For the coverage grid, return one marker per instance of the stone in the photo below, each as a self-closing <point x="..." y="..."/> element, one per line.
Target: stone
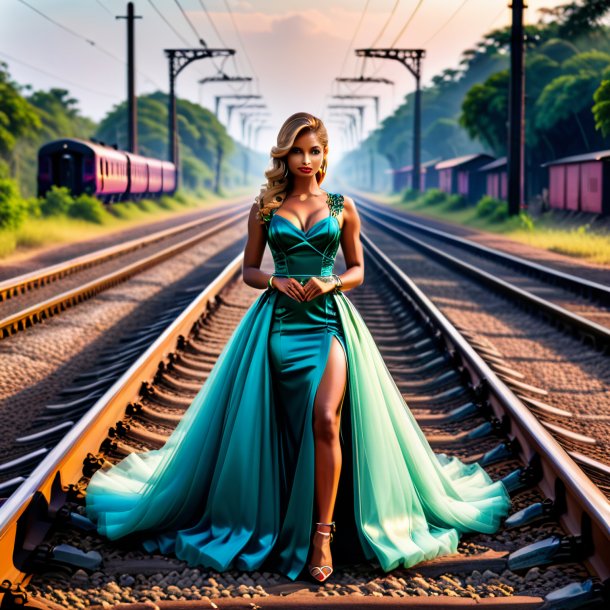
<point x="80" y="576"/>
<point x="126" y="580"/>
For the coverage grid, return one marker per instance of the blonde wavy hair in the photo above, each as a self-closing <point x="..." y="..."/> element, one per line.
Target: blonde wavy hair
<point x="279" y="178"/>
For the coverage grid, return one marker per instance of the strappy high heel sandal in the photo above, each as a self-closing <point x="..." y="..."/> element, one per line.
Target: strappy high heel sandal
<point x="317" y="572"/>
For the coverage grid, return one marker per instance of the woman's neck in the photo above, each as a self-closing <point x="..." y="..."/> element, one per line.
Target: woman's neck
<point x="305" y="186"/>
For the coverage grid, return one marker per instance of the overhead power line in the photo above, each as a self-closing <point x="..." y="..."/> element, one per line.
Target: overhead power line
<point x="240" y="39"/>
<point x="407" y="23"/>
<point x="222" y="41"/>
<point x="385" y="25"/>
<point x="169" y="24"/>
<point x="70" y="31"/>
<point x="205" y="10"/>
<point x="59" y="78"/>
<point x="450" y="18"/>
<point x="351" y="42"/>
<point x="104" y="7"/>
<point x="89" y="41"/>
<point x="192" y="26"/>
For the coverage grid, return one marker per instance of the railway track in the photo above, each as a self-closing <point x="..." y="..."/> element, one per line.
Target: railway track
<point x="584" y="437"/>
<point x="46" y="416"/>
<point x="580" y="305"/>
<point x="452" y="383"/>
<point x="33" y="297"/>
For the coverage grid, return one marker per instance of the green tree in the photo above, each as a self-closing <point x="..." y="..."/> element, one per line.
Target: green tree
<point x="18" y="118"/>
<point x="485" y="109"/>
<point x="601" y="108"/>
<point x="202" y="139"/>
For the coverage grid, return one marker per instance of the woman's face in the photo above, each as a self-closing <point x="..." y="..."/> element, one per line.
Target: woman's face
<point x="306" y="155"/>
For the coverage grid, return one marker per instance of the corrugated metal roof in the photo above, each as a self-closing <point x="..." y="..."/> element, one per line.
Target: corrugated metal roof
<point x="594" y="156"/>
<point x="500" y="162"/>
<point x="457" y="161"/>
<point x="408" y="168"/>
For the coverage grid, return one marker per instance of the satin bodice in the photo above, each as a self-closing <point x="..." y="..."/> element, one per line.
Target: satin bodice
<point x="301" y="254"/>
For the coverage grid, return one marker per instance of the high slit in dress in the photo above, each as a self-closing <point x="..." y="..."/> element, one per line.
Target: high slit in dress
<point x="233" y="486"/>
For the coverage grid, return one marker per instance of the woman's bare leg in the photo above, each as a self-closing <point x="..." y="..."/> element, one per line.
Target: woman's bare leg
<point x="326" y="421"/>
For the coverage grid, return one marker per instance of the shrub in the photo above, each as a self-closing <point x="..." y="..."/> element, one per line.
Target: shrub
<point x="57" y="201"/>
<point x="457" y="202"/>
<point x="165" y="202"/>
<point x="181" y="197"/>
<point x="486" y="206"/>
<point x="146" y="205"/>
<point x="13" y="209"/>
<point x="410" y="195"/>
<point x="494" y="209"/>
<point x="500" y="214"/>
<point x="526" y="221"/>
<point x="200" y="193"/>
<point x="32" y="205"/>
<point x="88" y="208"/>
<point x="434" y="197"/>
<point x="120" y="209"/>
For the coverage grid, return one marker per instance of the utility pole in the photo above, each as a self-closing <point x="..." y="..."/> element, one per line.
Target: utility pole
<point x="132" y="102"/>
<point x="243" y="106"/>
<point x="219" y="98"/>
<point x="178" y="60"/>
<point x="516" y="111"/>
<point x="411" y="59"/>
<point x="358" y="107"/>
<point x="353" y="131"/>
<point x="375" y="99"/>
<point x="221" y="78"/>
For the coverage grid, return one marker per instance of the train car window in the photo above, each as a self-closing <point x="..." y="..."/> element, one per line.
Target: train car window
<point x="106" y="168"/>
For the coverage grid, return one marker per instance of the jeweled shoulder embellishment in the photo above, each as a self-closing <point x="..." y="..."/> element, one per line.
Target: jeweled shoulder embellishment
<point x="335" y="203"/>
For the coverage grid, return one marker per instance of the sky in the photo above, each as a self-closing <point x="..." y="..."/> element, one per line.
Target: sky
<point x="294" y="50"/>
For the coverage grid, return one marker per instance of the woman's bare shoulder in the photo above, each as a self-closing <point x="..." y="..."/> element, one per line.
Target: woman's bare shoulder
<point x="349" y="206"/>
<point x="348" y="202"/>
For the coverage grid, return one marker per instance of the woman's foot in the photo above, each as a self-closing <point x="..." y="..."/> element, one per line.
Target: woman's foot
<point x="320" y="562"/>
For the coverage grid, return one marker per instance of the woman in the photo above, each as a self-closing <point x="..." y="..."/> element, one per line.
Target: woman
<point x="249" y="479"/>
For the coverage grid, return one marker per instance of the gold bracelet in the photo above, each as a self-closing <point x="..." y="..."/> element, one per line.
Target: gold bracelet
<point x="270" y="280"/>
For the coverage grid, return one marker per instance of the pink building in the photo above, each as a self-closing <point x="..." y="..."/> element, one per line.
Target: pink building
<point x="496" y="178"/>
<point x="580" y="183"/>
<point x="459" y="175"/>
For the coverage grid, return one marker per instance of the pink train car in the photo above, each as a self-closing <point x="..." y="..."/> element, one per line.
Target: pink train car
<point x="86" y="166"/>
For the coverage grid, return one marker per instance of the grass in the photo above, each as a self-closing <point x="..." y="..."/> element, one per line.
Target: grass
<point x="550" y="231"/>
<point x="40" y="233"/>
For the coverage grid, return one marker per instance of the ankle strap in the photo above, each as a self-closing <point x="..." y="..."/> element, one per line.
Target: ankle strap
<point x="320" y="523"/>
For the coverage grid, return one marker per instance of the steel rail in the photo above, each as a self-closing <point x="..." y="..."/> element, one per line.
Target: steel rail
<point x="34" y="279"/>
<point x="25" y="318"/>
<point x="598" y="291"/>
<point x="598" y="334"/>
<point x="585" y="500"/>
<point x="64" y="463"/>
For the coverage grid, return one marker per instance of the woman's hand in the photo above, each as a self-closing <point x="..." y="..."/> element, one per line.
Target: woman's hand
<point x="316" y="286"/>
<point x="289" y="286"/>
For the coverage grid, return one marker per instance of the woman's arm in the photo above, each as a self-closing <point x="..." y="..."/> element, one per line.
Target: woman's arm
<point x="253" y="252"/>
<point x="351" y="246"/>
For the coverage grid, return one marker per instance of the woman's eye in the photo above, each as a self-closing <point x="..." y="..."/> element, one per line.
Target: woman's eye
<point x="315" y="151"/>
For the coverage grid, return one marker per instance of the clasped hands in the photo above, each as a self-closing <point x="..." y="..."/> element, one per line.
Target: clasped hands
<point x="314" y="287"/>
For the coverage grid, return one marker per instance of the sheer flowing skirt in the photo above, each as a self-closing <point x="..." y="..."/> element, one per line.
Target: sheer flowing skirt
<point x="233" y="487"/>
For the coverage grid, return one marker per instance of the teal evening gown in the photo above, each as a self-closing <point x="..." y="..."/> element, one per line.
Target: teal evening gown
<point x="233" y="486"/>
